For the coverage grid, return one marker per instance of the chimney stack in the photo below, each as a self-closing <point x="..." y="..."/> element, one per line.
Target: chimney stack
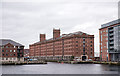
<point x="56" y="33"/>
<point x="42" y="37"/>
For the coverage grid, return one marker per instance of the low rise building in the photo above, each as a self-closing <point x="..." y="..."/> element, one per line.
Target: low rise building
<point x="11" y="50"/>
<point x="110" y="41"/>
<point x="26" y="52"/>
<point x="65" y="47"/>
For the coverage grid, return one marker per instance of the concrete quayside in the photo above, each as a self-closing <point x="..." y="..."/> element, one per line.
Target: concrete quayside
<point x="68" y="62"/>
<point x="23" y="63"/>
<point x="88" y="62"/>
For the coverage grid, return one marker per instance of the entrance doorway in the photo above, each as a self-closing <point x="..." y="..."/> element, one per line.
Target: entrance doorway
<point x="84" y="58"/>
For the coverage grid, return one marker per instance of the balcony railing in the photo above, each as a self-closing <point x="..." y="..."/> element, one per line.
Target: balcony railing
<point x="111" y="34"/>
<point x="111" y="30"/>
<point x="111" y="38"/>
<point x="111" y="47"/>
<point x="112" y="42"/>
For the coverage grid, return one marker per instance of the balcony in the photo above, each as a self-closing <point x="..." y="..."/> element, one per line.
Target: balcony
<point x="111" y="34"/>
<point x="111" y="47"/>
<point x="113" y="51"/>
<point x="112" y="42"/>
<point x="111" y="39"/>
<point x="83" y="41"/>
<point x="111" y="30"/>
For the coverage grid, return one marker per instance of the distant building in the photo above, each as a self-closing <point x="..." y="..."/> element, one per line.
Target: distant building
<point x="74" y="45"/>
<point x="96" y="54"/>
<point x="26" y="52"/>
<point x="11" y="50"/>
<point x="110" y="41"/>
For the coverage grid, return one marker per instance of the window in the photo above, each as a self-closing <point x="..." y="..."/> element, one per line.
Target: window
<point x="91" y="41"/>
<point x="6" y="54"/>
<point x="76" y="45"/>
<point x="106" y="30"/>
<point x="106" y="38"/>
<point x="76" y="52"/>
<point x="83" y="39"/>
<point x="76" y="48"/>
<point x="6" y="58"/>
<point x="10" y="50"/>
<point x="2" y="50"/>
<point x="14" y="50"/>
<point x="91" y="48"/>
<point x="91" y="45"/>
<point x="83" y="48"/>
<point x="106" y="34"/>
<point x="10" y="54"/>
<point x="3" y="55"/>
<point x="107" y="45"/>
<point x="83" y="45"/>
<point x="76" y="41"/>
<point x="101" y="37"/>
<point x="91" y="52"/>
<point x="6" y="50"/>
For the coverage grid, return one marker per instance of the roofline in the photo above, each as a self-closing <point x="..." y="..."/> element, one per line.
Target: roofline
<point x="11" y="40"/>
<point x="117" y="21"/>
<point x="110" y="26"/>
<point x="56" y="39"/>
<point x="11" y="44"/>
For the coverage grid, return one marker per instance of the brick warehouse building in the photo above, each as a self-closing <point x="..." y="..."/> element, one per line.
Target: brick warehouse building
<point x="26" y="52"/>
<point x="78" y="45"/>
<point x="11" y="50"/>
<point x="110" y="41"/>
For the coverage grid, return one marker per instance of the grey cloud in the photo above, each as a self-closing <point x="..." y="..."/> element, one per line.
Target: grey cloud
<point x="24" y="21"/>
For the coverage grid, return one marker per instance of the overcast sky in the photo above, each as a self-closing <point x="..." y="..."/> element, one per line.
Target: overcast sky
<point x="24" y="20"/>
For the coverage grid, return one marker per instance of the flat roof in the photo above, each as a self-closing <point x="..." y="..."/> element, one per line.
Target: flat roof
<point x="110" y="23"/>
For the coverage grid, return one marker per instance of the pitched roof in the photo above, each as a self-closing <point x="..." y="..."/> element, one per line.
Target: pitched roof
<point x="6" y="41"/>
<point x="65" y="35"/>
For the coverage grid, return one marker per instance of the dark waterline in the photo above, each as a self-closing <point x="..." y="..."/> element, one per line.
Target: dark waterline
<point x="58" y="68"/>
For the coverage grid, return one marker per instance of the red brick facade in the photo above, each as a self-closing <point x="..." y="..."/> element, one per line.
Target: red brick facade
<point x="104" y="46"/>
<point x="56" y="33"/>
<point x="42" y="37"/>
<point x="26" y="52"/>
<point x="11" y="52"/>
<point x="65" y="46"/>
